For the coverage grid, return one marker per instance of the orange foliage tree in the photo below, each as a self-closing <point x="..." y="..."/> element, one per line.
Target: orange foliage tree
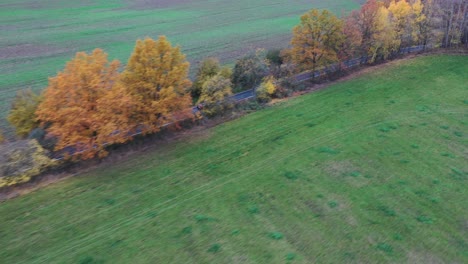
<point x="352" y="40"/>
<point x="72" y="108"/>
<point x="316" y="40"/>
<point x="156" y="78"/>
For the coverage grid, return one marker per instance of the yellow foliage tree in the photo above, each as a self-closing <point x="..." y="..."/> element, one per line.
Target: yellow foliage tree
<point x="423" y="19"/>
<point x="419" y="21"/>
<point x="387" y="35"/>
<point x="316" y="40"/>
<point x="1" y="137"/>
<point x="156" y="78"/>
<point x="214" y="95"/>
<point x="401" y="17"/>
<point x="384" y="40"/>
<point x="70" y="108"/>
<point x="23" y="112"/>
<point x="208" y="68"/>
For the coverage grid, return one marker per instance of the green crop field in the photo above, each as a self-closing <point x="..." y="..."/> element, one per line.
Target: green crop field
<point x="370" y="170"/>
<point x="38" y="37"/>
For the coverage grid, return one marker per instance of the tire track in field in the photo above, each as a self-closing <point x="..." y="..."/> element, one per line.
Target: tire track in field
<point x="171" y="203"/>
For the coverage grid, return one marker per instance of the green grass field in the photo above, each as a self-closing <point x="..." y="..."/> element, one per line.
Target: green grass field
<point x="371" y="170"/>
<point x="38" y="37"/>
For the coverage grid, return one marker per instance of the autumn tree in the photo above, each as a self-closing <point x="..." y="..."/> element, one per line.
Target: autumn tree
<point x="385" y="39"/>
<point x="208" y="68"/>
<point x="372" y="27"/>
<point x="316" y="40"/>
<point x="1" y="137"/>
<point x="422" y="21"/>
<point x="70" y="108"/>
<point x="226" y="72"/>
<point x="350" y="47"/>
<point x="250" y="70"/>
<point x="215" y="95"/>
<point x="365" y="19"/>
<point x="401" y="15"/>
<point x="23" y="112"/>
<point x="156" y="79"/>
<point x="454" y="21"/>
<point x="116" y="109"/>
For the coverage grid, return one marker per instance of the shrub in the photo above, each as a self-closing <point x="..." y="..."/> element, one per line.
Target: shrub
<point x="249" y="105"/>
<point x="290" y="256"/>
<point x="276" y="235"/>
<point x="22" y="160"/>
<point x="46" y="141"/>
<point x="333" y="204"/>
<point x="385" y="248"/>
<point x="266" y="90"/>
<point x="214" y="248"/>
<point x="424" y="219"/>
<point x="291" y="175"/>
<point x="286" y="86"/>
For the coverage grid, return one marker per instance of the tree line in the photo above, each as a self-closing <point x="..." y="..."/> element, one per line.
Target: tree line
<point x="378" y="30"/>
<point x="91" y="103"/>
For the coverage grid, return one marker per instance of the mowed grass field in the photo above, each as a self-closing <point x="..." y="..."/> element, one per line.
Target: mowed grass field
<point x="371" y="170"/>
<point x="39" y="37"/>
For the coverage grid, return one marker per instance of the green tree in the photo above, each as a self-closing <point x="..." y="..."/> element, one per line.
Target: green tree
<point x="23" y="112"/>
<point x="156" y="78"/>
<point x="317" y="39"/>
<point x="215" y="94"/>
<point x="208" y="68"/>
<point x="274" y="57"/>
<point x="250" y="71"/>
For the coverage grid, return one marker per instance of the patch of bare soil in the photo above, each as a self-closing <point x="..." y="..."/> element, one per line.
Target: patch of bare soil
<point x="28" y="50"/>
<point x="154" y="4"/>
